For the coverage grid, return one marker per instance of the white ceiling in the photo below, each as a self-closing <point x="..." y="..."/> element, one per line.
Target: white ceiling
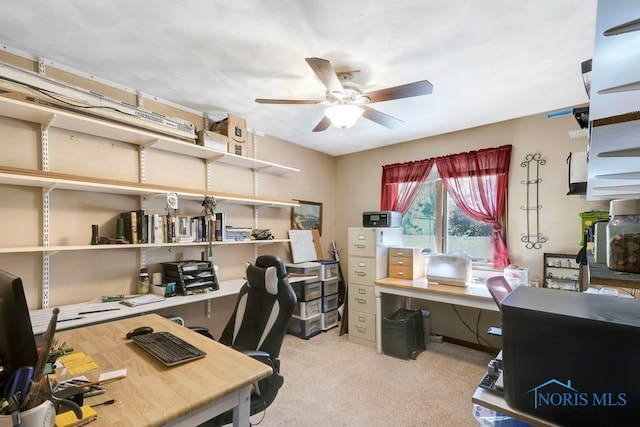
<point x="488" y="60"/>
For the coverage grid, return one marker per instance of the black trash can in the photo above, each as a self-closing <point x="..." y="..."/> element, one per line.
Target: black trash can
<point x="403" y="334"/>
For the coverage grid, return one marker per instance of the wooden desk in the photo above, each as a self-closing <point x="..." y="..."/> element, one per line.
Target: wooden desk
<point x="153" y="394"/>
<point x="474" y="295"/>
<point x="490" y="400"/>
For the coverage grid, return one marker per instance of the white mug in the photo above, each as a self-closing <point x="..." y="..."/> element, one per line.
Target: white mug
<point x="43" y="415"/>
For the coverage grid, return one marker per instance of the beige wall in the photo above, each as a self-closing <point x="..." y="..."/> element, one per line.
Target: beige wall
<point x="359" y="178"/>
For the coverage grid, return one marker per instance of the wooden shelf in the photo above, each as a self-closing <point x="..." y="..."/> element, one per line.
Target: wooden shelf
<point x="600" y="274"/>
<point x="44" y="115"/>
<point x="52" y="180"/>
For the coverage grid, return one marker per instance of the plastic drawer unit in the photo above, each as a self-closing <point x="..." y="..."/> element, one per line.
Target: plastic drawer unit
<point x="306" y="309"/>
<point x="329" y="287"/>
<point x="305" y="328"/>
<point x="329" y="320"/>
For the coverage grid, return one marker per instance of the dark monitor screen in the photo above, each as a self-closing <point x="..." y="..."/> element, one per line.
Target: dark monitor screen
<point x="17" y="343"/>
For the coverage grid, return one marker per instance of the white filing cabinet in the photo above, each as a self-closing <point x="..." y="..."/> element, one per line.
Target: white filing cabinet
<point x="368" y="261"/>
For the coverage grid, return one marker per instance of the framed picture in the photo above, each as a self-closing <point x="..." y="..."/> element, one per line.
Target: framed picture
<point x="307" y="216"/>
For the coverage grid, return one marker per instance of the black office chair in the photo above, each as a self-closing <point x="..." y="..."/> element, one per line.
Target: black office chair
<point x="258" y="325"/>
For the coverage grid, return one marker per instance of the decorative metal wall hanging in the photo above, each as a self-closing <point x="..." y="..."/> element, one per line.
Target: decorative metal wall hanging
<point x="533" y="238"/>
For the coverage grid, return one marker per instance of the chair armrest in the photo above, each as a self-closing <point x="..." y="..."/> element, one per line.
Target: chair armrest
<point x="258" y="355"/>
<point x="202" y="331"/>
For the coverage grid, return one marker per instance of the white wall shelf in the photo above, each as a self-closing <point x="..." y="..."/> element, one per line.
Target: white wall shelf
<point x="71" y="315"/>
<point x="150" y="246"/>
<point x="35" y="113"/>
<point x="50" y="180"/>
<point x="35" y="108"/>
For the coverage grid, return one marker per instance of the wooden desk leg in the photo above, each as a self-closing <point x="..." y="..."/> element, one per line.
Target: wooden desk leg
<point x="378" y="320"/>
<point x="242" y="411"/>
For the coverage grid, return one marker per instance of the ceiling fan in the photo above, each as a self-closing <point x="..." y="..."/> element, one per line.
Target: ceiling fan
<point x="346" y="101"/>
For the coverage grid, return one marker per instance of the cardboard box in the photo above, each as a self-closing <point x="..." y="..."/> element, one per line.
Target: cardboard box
<point x="235" y="129"/>
<point x="216" y="141"/>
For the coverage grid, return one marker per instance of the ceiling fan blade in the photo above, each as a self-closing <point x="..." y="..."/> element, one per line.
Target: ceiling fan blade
<point x="380" y="117"/>
<point x="323" y="125"/>
<point x="286" y="101"/>
<point x="326" y="74"/>
<point x="422" y="87"/>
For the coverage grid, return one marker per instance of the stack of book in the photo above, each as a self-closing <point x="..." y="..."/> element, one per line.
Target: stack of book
<point x="238" y="233"/>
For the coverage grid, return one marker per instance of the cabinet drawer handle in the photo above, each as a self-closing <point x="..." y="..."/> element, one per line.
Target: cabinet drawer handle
<point x="400" y="253"/>
<point x="361" y="328"/>
<point x="361" y="273"/>
<point x="362" y="291"/>
<point x="400" y="273"/>
<point x="361" y="300"/>
<point x="360" y="245"/>
<point x="400" y="262"/>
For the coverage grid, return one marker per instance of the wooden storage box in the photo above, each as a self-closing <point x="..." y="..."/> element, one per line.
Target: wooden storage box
<point x="406" y="263"/>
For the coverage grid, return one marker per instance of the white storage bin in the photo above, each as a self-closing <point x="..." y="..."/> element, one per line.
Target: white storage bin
<point x="329" y="320"/>
<point x="306" y="309"/>
<point x="328" y="269"/>
<point x="329" y="287"/>
<point x="329" y="303"/>
<point x="305" y="328"/>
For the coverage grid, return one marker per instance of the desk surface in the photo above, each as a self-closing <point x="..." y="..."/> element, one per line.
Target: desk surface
<point x="473" y="290"/>
<point x="474" y="295"/>
<point x="153" y="394"/>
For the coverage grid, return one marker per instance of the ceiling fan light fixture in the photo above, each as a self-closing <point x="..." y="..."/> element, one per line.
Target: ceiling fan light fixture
<point x="343" y="115"/>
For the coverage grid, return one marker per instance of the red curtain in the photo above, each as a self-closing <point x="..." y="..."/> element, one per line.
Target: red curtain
<point x="477" y="182"/>
<point x="401" y="183"/>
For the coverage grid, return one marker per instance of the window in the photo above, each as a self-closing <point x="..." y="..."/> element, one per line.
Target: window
<point x="434" y="221"/>
<point x="476" y="181"/>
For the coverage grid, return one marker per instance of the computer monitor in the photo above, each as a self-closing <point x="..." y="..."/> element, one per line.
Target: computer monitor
<point x="17" y="343"/>
<point x="572" y="358"/>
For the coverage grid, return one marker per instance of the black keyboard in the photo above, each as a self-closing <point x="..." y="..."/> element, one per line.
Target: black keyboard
<point x="168" y="348"/>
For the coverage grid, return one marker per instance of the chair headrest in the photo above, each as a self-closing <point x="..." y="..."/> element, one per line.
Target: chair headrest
<point x="262" y="278"/>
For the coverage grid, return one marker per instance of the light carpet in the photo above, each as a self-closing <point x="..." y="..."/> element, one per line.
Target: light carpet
<point x="330" y="381"/>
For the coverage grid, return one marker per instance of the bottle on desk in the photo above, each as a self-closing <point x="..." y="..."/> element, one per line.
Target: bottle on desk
<point x="143" y="282"/>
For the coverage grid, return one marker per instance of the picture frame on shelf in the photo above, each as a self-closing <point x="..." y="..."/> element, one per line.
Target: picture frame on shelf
<point x="307" y="216"/>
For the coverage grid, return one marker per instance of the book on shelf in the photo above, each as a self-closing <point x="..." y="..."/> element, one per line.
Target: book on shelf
<point x="221" y="226"/>
<point x="157" y="229"/>
<point x="238" y="233"/>
<point x="142" y="299"/>
<point x="136" y="226"/>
